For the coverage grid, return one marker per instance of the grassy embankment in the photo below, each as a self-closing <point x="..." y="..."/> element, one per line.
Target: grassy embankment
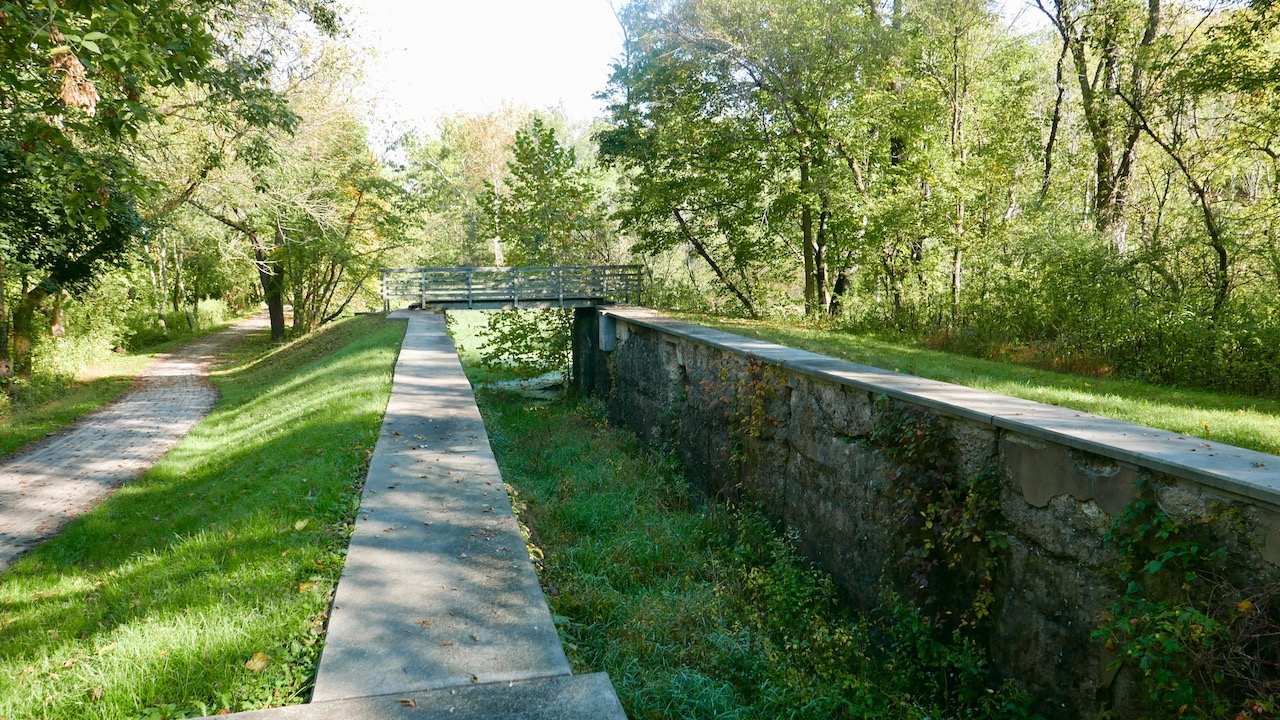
<point x="1234" y="419"/>
<point x="700" y="611"/>
<point x="224" y="553"/>
<point x="48" y="405"/>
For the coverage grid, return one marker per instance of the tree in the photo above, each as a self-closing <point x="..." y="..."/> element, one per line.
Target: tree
<point x="78" y="83"/>
<point x="1110" y="54"/>
<point x="550" y="212"/>
<point x="451" y="175"/>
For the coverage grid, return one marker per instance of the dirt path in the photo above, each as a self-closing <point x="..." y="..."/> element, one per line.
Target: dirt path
<point x="67" y="474"/>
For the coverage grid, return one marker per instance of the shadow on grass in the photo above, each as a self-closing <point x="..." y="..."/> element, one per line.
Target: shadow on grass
<point x="228" y="547"/>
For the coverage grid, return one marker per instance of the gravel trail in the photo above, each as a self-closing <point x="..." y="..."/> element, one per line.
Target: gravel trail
<point x="67" y="474"/>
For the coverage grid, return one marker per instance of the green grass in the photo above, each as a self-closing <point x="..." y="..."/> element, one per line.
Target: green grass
<point x="150" y="605"/>
<point x="700" y="611"/>
<point x="51" y="404"/>
<point x="1234" y="419"/>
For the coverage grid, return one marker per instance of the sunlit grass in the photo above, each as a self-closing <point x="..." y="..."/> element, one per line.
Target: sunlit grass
<point x="150" y="605"/>
<point x="1234" y="419"/>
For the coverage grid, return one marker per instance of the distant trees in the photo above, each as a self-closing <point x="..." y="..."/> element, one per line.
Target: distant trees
<point x="1099" y="196"/>
<point x="510" y="188"/>
<point x="550" y="212"/>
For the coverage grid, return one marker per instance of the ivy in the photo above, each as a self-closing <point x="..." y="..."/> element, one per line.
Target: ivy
<point x="1200" y="644"/>
<point x="952" y="541"/>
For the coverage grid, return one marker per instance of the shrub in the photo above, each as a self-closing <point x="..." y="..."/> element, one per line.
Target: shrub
<point x="528" y="342"/>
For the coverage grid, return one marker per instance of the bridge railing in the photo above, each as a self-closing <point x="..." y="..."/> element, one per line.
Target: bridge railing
<point x="558" y="285"/>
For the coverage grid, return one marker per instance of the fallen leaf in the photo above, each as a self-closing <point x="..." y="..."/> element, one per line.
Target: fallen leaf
<point x="301" y="524"/>
<point x="305" y="586"/>
<point x="258" y="662"/>
<point x="96" y="693"/>
<point x="408" y="702"/>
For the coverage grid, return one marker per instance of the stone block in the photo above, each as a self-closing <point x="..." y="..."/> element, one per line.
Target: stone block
<point x="1046" y="470"/>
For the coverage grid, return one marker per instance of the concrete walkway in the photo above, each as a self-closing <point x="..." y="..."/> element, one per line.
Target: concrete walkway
<point x="67" y="474"/>
<point x="438" y="612"/>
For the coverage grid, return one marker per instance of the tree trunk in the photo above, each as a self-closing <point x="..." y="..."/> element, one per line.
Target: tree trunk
<point x="956" y="270"/>
<point x="24" y="329"/>
<point x="838" y="291"/>
<point x="58" y="322"/>
<point x="806" y="239"/>
<point x="272" y="280"/>
<point x="270" y="274"/>
<point x="6" y="364"/>
<point x="1055" y="120"/>
<point x="820" y="257"/>
<point x="715" y="266"/>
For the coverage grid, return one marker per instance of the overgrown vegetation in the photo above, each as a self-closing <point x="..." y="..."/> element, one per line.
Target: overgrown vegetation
<point x="1198" y="633"/>
<point x="157" y="161"/>
<point x="706" y="610"/>
<point x="528" y="341"/>
<point x="1100" y="193"/>
<point x="203" y="585"/>
<point x="951" y="545"/>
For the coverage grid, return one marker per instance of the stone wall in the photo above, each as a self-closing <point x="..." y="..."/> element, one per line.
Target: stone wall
<point x="796" y="433"/>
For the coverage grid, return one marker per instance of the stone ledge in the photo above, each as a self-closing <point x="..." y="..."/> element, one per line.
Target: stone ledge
<point x="1238" y="471"/>
<point x="564" y="697"/>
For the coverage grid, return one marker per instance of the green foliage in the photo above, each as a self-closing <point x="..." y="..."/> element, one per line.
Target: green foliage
<point x="1198" y="640"/>
<point x="951" y="543"/>
<point x="709" y="611"/>
<point x="528" y="342"/>
<point x="550" y="212"/>
<point x="1098" y="198"/>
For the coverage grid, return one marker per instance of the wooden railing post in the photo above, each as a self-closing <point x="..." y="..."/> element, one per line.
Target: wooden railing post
<point x="470" y="294"/>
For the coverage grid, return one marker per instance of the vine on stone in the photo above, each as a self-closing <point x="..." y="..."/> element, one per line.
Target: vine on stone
<point x="952" y="544"/>
<point x="1200" y="642"/>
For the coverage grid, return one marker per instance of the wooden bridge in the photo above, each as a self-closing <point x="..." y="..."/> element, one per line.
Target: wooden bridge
<point x="490" y="288"/>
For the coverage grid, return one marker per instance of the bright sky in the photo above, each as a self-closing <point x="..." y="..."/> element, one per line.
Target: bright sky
<point x="436" y="57"/>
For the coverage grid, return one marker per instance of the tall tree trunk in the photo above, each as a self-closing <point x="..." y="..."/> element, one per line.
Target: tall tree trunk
<point x="838" y="290"/>
<point x="6" y="363"/>
<point x="715" y="266"/>
<point x="820" y="256"/>
<point x="58" y="320"/>
<point x="806" y="240"/>
<point x="1054" y="121"/>
<point x="271" y="277"/>
<point x="956" y="270"/>
<point x="270" y="274"/>
<point x="24" y="328"/>
<point x="175" y="295"/>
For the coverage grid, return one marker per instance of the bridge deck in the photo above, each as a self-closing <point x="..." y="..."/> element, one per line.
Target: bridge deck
<point x="489" y="288"/>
